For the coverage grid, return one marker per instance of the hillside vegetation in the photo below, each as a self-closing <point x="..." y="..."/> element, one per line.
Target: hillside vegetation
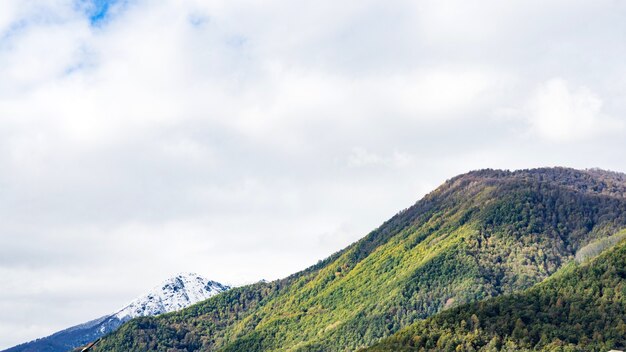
<point x="479" y="235"/>
<point x="582" y="308"/>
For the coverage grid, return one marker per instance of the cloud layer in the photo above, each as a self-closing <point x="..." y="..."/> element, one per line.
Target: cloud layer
<point x="246" y="140"/>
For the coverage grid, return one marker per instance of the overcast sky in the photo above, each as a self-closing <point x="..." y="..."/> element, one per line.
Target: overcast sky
<point x="245" y="140"/>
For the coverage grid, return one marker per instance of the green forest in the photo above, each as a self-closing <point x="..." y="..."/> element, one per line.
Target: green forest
<point x="479" y="239"/>
<point x="581" y="308"/>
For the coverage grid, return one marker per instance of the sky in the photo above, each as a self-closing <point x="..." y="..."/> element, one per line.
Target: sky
<point x="246" y="140"/>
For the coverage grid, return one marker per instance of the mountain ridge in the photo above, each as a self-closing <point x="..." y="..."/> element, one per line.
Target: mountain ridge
<point x="479" y="235"/>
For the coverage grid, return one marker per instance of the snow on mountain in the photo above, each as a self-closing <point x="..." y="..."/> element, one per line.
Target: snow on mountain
<point x="174" y="294"/>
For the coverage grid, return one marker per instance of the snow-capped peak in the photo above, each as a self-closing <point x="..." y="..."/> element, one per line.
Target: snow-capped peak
<point x="176" y="293"/>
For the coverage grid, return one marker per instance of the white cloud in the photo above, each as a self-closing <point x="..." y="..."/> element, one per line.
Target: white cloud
<point x="7" y="14"/>
<point x="434" y="92"/>
<point x="561" y="113"/>
<point x="224" y="133"/>
<point x="360" y="157"/>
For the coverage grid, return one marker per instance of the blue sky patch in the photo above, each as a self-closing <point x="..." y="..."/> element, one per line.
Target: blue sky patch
<point x="98" y="10"/>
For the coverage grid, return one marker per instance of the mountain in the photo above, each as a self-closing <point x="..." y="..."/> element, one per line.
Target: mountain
<point x="479" y="235"/>
<point x="174" y="294"/>
<point x="581" y="308"/>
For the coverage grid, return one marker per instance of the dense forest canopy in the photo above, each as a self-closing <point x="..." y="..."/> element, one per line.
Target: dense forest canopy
<point x="581" y="308"/>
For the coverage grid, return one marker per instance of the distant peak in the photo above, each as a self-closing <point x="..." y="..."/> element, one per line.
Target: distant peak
<point x="173" y="294"/>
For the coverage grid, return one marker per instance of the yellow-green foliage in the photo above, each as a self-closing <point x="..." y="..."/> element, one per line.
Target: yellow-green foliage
<point x="582" y="308"/>
<point x="598" y="246"/>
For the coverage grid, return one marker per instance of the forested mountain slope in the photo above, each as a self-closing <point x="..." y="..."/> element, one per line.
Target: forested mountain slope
<point x="582" y="308"/>
<point x="479" y="235"/>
